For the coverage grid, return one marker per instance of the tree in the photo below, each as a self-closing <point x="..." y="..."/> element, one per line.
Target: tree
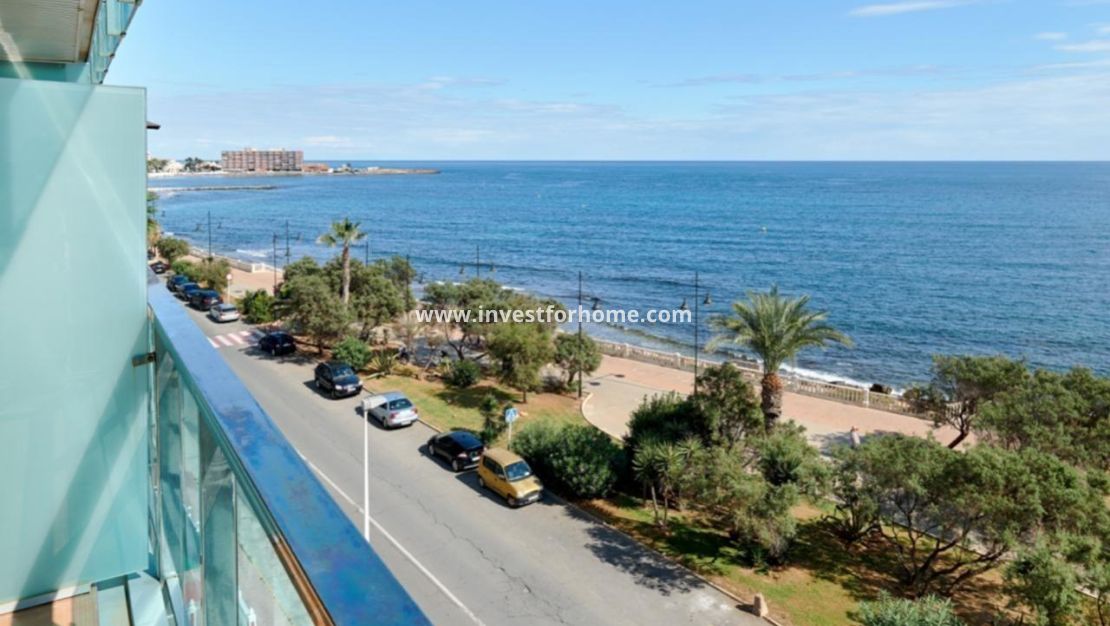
<point x="376" y="301"/>
<point x="962" y="384"/>
<point x="660" y="467"/>
<point x="1042" y="581"/>
<point x="520" y="351"/>
<point x="154" y="164"/>
<point x="856" y="512"/>
<point x="212" y="273"/>
<point x="950" y="516"/>
<point x="343" y="234"/>
<point x="785" y="457"/>
<point x="493" y="419"/>
<point x="153" y="229"/>
<point x="467" y="299"/>
<point x="888" y="611"/>
<point x="172" y="248"/>
<point x="257" y="307"/>
<point x="352" y="351"/>
<point x="311" y="308"/>
<point x="776" y="329"/>
<point x="576" y="354"/>
<point x="728" y="404"/>
<point x="661" y="418"/>
<point x="304" y="266"/>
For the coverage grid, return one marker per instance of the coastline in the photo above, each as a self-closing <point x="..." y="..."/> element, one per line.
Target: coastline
<point x="377" y="171"/>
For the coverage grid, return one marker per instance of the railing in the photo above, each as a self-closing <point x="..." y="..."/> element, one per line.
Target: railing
<point x="245" y="533"/>
<point x="847" y="394"/>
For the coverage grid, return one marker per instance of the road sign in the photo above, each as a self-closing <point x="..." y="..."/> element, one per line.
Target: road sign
<point x="511" y="414"/>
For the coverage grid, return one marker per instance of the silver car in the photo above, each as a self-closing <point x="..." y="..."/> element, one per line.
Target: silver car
<point x="392" y="409"/>
<point x="223" y="313"/>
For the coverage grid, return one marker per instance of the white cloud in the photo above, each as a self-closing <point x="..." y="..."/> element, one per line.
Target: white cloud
<point x="910" y="6"/>
<point x="1058" y="115"/>
<point x="1051" y="36"/>
<point x="1096" y="45"/>
<point x="1102" y="29"/>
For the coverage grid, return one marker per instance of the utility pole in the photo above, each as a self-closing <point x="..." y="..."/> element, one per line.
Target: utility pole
<point x="366" y="257"/>
<point x="696" y="310"/>
<point x="478" y="260"/>
<point x="209" y="234"/>
<point x="287" y="253"/>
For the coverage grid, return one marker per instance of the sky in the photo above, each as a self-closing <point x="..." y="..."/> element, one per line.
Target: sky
<point x="626" y="80"/>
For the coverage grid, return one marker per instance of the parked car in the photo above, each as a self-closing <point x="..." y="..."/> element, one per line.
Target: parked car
<point x="509" y="476"/>
<point x="159" y="267"/>
<point x="337" y="378"/>
<point x="186" y="291"/>
<point x="392" y="409"/>
<point x="277" y="342"/>
<point x="223" y="312"/>
<point x="204" y="299"/>
<point x="460" y="448"/>
<point x="175" y="282"/>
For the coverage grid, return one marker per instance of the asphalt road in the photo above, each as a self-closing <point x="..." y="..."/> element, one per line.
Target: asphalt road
<point x="463" y="555"/>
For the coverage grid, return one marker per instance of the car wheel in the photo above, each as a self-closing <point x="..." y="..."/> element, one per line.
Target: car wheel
<point x="481" y="482"/>
<point x="455" y="465"/>
<point x="512" y="502"/>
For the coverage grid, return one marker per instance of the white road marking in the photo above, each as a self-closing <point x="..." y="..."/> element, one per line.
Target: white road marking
<point x="396" y="544"/>
<point x="223" y="340"/>
<point x="213" y="342"/>
<point x="237" y="339"/>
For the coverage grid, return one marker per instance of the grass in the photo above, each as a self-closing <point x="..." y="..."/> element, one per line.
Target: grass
<point x="822" y="584"/>
<point x="448" y="409"/>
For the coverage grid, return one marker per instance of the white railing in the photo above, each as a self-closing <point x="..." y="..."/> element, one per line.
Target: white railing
<point x="848" y="394"/>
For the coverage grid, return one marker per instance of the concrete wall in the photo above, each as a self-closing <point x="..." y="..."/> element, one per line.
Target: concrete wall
<point x="73" y="410"/>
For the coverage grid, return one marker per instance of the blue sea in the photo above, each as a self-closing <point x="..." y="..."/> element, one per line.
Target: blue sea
<point x="909" y="259"/>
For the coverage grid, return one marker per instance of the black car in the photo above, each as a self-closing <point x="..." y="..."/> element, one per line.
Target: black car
<point x="460" y="448"/>
<point x="277" y="343"/>
<point x="159" y="267"/>
<point x="186" y="291"/>
<point x="175" y="282"/>
<point x="337" y="379"/>
<point x="204" y="299"/>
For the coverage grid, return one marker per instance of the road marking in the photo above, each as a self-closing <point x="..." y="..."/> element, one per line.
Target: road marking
<point x="396" y="544"/>
<point x="224" y="340"/>
<point x="213" y="342"/>
<point x="237" y="339"/>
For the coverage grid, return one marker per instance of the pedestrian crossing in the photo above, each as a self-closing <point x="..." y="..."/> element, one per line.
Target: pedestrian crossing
<point x="238" y="338"/>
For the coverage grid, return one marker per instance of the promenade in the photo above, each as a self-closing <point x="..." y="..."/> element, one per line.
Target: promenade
<point x="620" y="385"/>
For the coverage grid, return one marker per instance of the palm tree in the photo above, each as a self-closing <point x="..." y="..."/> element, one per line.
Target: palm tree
<point x="343" y="234"/>
<point x="776" y="329"/>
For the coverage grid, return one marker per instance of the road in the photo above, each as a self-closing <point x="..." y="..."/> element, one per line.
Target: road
<point x="464" y="556"/>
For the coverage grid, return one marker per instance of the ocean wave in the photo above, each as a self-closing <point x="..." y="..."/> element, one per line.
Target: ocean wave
<point x="255" y="254"/>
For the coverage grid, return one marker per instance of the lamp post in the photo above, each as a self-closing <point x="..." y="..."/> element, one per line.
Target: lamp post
<point x="478" y="260"/>
<point x="275" y="264"/>
<point x="697" y="346"/>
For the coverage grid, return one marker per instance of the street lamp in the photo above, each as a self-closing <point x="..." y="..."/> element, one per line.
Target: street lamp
<point x="595" y="305"/>
<point x="684" y="307"/>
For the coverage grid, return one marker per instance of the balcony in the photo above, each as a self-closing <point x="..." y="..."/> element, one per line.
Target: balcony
<point x="244" y="532"/>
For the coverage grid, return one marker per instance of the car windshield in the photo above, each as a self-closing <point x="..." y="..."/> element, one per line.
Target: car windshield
<point x="518" y="471"/>
<point x="227" y="307"/>
<point x="343" y="370"/>
<point x="398" y="405"/>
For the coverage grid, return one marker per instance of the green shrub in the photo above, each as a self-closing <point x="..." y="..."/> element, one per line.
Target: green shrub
<point x="172" y="248"/>
<point x="188" y="269"/>
<point x="257" y="307"/>
<point x="383" y="362"/>
<point x="352" y="351"/>
<point x="575" y="460"/>
<point x="493" y="419"/>
<point x="887" y="611"/>
<point x="463" y="374"/>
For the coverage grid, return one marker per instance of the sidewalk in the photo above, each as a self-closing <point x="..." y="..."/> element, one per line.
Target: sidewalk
<point x="243" y="281"/>
<point x="620" y="385"/>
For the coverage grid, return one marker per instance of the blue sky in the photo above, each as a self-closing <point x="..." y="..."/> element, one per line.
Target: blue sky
<point x="702" y="79"/>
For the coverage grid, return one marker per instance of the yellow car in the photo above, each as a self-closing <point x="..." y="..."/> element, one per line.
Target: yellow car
<point x="509" y="476"/>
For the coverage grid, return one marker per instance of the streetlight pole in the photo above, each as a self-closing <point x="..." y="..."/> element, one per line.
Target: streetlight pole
<point x="365" y="473"/>
<point x="275" y="264"/>
<point x="478" y="260"/>
<point x="366" y="257"/>
<point x="697" y="311"/>
<point x="579" y="334"/>
<point x="209" y="234"/>
<point x="287" y="253"/>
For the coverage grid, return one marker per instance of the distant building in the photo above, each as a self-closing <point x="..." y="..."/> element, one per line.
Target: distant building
<point x="316" y="168"/>
<point x="251" y="160"/>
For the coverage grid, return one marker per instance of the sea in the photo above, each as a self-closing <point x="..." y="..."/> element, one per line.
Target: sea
<point x="909" y="259"/>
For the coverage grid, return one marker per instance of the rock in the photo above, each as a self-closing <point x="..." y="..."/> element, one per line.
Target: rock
<point x="759" y="606"/>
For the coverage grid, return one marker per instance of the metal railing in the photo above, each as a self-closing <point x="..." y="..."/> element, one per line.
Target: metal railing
<point x="244" y="532"/>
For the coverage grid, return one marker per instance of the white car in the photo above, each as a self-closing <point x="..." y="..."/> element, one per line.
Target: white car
<point x="223" y="313"/>
<point x="392" y="409"/>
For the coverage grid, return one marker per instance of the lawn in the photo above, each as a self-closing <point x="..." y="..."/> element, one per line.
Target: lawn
<point x="447" y="408"/>
<point x="821" y="585"/>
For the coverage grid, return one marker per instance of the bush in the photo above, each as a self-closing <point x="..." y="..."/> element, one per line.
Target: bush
<point x="352" y="351"/>
<point x="257" y="307"/>
<point x="172" y="248"/>
<point x="463" y="374"/>
<point x="185" y="268"/>
<point x="577" y="461"/>
<point x="887" y="611"/>
<point x="406" y="371"/>
<point x="383" y="361"/>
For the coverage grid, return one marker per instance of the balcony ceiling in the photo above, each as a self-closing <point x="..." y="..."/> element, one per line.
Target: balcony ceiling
<point x="52" y="31"/>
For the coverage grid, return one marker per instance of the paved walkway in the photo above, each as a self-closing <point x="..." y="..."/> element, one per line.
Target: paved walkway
<point x="620" y="385"/>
